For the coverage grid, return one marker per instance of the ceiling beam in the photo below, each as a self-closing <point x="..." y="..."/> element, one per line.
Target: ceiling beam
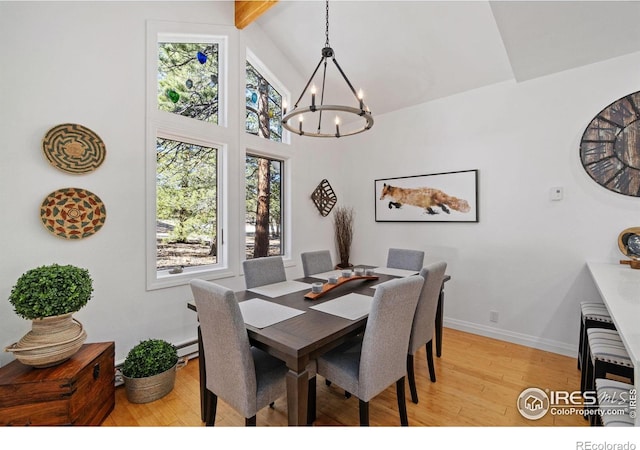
<point x="248" y="11"/>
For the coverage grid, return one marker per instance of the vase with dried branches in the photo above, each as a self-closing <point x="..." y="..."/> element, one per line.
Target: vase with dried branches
<point x="343" y="226"/>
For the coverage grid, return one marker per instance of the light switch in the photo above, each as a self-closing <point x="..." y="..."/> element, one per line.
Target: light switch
<point x="556" y="193"/>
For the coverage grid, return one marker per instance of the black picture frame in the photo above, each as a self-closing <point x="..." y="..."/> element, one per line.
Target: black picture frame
<point x="436" y="197"/>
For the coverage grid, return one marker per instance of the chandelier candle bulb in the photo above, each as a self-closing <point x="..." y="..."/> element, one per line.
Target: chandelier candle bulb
<point x="313" y="97"/>
<point x="337" y="126"/>
<point x="361" y="98"/>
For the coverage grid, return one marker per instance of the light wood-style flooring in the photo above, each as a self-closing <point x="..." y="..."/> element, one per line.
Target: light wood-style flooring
<point x="478" y="383"/>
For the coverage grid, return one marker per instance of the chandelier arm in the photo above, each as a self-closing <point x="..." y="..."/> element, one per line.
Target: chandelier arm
<point x="324" y="78"/>
<point x="309" y="82"/>
<point x="345" y="78"/>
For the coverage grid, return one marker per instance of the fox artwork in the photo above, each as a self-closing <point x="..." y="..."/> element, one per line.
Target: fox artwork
<point x="426" y="198"/>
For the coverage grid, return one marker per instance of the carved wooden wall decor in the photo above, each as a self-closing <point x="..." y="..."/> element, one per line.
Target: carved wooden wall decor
<point x="324" y="198"/>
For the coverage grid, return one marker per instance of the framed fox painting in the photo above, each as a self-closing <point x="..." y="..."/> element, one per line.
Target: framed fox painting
<point x="437" y="197"/>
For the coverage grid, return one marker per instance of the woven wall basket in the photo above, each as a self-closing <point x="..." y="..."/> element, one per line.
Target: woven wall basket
<point x="51" y="341"/>
<point x="149" y="389"/>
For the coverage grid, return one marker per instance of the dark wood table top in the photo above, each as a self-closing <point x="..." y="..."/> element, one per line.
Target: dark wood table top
<point x="305" y="336"/>
<point x="301" y="338"/>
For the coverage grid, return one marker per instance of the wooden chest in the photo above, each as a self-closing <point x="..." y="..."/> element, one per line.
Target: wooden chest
<point x="80" y="391"/>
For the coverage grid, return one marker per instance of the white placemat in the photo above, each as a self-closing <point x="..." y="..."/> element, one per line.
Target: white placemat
<point x="326" y="275"/>
<point x="281" y="288"/>
<point x="351" y="306"/>
<point x="263" y="313"/>
<point x="395" y="272"/>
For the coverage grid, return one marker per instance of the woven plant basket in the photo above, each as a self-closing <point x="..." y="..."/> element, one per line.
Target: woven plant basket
<point x="51" y="341"/>
<point x="149" y="389"/>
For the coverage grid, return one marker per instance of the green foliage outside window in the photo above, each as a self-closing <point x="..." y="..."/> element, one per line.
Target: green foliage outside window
<point x="188" y="80"/>
<point x="186" y="187"/>
<point x="260" y="92"/>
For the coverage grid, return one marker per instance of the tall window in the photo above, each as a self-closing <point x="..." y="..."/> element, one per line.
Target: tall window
<point x="264" y="107"/>
<point x="186" y="144"/>
<point x="186" y="206"/>
<point x="188" y="79"/>
<point x="264" y="200"/>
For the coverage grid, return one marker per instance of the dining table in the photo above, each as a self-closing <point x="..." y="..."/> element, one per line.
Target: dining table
<point x="297" y="330"/>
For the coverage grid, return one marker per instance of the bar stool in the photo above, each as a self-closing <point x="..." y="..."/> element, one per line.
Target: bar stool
<point x="606" y="354"/>
<point x="592" y="314"/>
<point x="613" y="404"/>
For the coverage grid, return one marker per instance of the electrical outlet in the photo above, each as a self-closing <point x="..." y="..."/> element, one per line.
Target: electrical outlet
<point x="493" y="316"/>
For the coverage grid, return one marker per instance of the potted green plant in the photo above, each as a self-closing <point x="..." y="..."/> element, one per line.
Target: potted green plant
<point x="343" y="227"/>
<point x="48" y="296"/>
<point x="149" y="370"/>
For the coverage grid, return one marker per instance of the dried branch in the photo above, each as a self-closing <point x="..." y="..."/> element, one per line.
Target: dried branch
<point x="343" y="225"/>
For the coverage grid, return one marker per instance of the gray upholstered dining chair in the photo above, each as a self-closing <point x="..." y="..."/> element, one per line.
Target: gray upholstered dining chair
<point x="316" y="262"/>
<point x="366" y="365"/>
<point x="400" y="258"/>
<point x="262" y="271"/>
<point x="424" y="322"/>
<point x="243" y="376"/>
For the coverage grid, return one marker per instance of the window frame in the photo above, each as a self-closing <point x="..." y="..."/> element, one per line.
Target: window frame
<point x="164" y="124"/>
<point x="258" y="65"/>
<point x="265" y="148"/>
<point x="284" y="197"/>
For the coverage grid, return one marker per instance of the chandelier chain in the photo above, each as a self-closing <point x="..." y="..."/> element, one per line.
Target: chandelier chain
<point x="326" y="44"/>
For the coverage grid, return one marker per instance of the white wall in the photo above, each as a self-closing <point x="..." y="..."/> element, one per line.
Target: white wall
<point x="526" y="257"/>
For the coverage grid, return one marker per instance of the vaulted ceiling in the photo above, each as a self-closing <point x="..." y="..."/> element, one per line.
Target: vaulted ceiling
<point x="404" y="53"/>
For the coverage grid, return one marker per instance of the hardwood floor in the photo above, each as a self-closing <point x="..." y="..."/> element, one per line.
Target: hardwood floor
<point x="478" y="383"/>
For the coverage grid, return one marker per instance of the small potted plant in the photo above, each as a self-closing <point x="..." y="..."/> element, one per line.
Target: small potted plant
<point x="48" y="296"/>
<point x="343" y="226"/>
<point x="149" y="370"/>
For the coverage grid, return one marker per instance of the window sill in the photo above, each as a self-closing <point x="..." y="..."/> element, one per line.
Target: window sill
<point x="167" y="280"/>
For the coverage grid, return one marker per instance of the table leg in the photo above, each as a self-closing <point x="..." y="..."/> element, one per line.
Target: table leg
<point x="439" y="316"/>
<point x="297" y="395"/>
<point x="203" y="376"/>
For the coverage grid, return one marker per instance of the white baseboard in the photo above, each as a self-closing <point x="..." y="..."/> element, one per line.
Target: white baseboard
<point x="548" y="345"/>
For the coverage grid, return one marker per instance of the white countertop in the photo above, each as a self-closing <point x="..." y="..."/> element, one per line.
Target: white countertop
<point x="619" y="287"/>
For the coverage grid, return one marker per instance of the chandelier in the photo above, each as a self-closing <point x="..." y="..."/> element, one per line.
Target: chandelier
<point x="313" y="114"/>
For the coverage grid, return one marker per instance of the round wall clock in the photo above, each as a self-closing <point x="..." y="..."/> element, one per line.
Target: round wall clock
<point x="610" y="146"/>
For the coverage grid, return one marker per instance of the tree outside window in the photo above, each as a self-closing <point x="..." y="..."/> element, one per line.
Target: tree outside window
<point x="186" y="190"/>
<point x="263" y="227"/>
<point x="263" y="106"/>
